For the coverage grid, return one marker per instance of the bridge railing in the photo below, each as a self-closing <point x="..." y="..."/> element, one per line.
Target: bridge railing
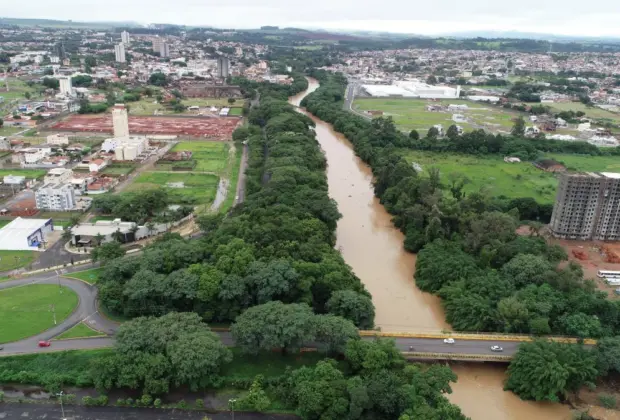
<point x="474" y="336"/>
<point x="457" y="356"/>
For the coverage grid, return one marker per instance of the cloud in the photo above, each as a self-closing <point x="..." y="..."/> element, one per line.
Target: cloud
<point x="428" y="17"/>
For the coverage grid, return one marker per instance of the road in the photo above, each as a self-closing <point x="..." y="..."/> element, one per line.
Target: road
<point x="349" y="97"/>
<point x="87" y="311"/>
<point x="240" y="193"/>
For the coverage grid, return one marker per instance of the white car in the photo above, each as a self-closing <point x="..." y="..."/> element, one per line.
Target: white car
<point x="496" y="348"/>
<point x="448" y="340"/>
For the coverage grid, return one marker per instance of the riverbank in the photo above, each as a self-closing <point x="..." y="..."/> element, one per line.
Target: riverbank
<point x="373" y="247"/>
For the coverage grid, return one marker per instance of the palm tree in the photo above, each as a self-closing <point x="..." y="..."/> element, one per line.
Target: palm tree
<point x="118" y="236"/>
<point x="66" y="234"/>
<point x="99" y="238"/>
<point x="150" y="227"/>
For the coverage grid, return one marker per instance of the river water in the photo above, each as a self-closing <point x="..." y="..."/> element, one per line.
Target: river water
<point x="374" y="249"/>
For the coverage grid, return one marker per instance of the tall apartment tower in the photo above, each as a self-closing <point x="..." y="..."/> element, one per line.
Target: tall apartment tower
<point x="222" y="67"/>
<point x="66" y="87"/>
<point x="120" y="121"/>
<point x="125" y="38"/>
<point x="119" y="52"/>
<point x="55" y="197"/>
<point x="157" y="44"/>
<point x="587" y="207"/>
<point x="164" y="49"/>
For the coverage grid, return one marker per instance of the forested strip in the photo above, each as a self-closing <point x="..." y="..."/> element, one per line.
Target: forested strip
<point x="489" y="278"/>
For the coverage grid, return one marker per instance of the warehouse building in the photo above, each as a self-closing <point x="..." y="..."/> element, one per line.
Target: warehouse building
<point x="25" y="234"/>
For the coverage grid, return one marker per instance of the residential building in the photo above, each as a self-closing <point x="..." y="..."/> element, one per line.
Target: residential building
<point x="587" y="207"/>
<point x="58" y="176"/>
<point x="5" y="143"/>
<point x="119" y="53"/>
<point x="14" y="180"/>
<point x="164" y="49"/>
<point x="66" y="87"/>
<point x="223" y="65"/>
<point x="57" y="140"/>
<point x="125" y="38"/>
<point x="55" y="197"/>
<point x="157" y="41"/>
<point x="125" y="148"/>
<point x="120" y="121"/>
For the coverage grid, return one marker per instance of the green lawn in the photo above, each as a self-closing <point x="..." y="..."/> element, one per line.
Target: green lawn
<point x="592" y="112"/>
<point x="236" y="111"/>
<point x="147" y="106"/>
<point x="3" y="222"/>
<point x="589" y="163"/>
<point x="9" y="131"/>
<point x="267" y="364"/>
<point x="198" y="188"/>
<point x="500" y="178"/>
<point x="28" y="173"/>
<point x="81" y="330"/>
<point x="10" y="260"/>
<point x="26" y="311"/>
<point x="211" y="156"/>
<point x="411" y="114"/>
<point x="116" y="169"/>
<point x="89" y="276"/>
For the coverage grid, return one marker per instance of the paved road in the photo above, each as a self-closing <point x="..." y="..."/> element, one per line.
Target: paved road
<point x="240" y="193"/>
<point x="25" y="411"/>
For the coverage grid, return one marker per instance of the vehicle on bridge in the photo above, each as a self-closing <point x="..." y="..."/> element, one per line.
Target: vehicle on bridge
<point x="448" y="340"/>
<point x="496" y="348"/>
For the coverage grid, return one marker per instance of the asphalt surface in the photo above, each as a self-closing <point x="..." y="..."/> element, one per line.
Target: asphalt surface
<point x="27" y="411"/>
<point x="87" y="312"/>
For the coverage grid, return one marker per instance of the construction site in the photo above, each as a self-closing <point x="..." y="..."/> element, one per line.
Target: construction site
<point x="210" y="128"/>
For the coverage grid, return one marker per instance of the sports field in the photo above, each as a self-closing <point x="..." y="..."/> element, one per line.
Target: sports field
<point x="409" y="114"/>
<point x="148" y="106"/>
<point x="192" y="188"/>
<point x="28" y="173"/>
<point x="26" y="311"/>
<point x="492" y="173"/>
<point x="210" y="156"/>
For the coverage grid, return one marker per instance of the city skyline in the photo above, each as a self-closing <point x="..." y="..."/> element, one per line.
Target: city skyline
<point x="593" y="19"/>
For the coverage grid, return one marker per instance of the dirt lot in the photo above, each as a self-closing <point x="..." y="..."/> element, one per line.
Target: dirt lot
<point x="213" y="128"/>
<point x="592" y="259"/>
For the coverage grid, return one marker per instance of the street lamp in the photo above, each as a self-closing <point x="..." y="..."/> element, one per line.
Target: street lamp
<point x="232" y="402"/>
<point x="62" y="409"/>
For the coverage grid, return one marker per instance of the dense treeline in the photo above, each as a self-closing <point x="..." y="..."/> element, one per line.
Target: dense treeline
<point x="278" y="246"/>
<point x="489" y="278"/>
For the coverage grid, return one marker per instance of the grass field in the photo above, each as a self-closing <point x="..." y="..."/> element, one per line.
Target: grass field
<point x="89" y="276"/>
<point x="26" y="311"/>
<point x="81" y="330"/>
<point x="198" y="188"/>
<point x="411" y="114"/>
<point x="147" y="106"/>
<point x="591" y="112"/>
<point x="116" y="169"/>
<point x="589" y="163"/>
<point x="211" y="156"/>
<point x="11" y="260"/>
<point x="492" y="173"/>
<point x="28" y="173"/>
<point x="9" y="131"/>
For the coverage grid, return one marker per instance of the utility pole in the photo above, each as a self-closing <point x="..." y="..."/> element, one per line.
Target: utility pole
<point x="58" y="280"/>
<point x="62" y="409"/>
<point x="232" y="402"/>
<point x="53" y="309"/>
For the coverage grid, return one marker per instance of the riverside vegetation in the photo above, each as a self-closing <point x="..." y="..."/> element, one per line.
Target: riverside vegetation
<point x="269" y="267"/>
<point x="489" y="278"/>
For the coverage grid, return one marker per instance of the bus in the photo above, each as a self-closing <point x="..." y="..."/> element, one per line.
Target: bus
<point x="608" y="274"/>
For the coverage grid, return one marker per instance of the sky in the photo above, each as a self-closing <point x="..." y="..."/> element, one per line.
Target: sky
<point x="558" y="17"/>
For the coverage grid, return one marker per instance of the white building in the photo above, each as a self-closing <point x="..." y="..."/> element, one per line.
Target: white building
<point x="120" y="121"/>
<point x="55" y="197"/>
<point x="58" y="176"/>
<point x="125" y="148"/>
<point x="5" y="143"/>
<point x="119" y="53"/>
<point x="25" y="234"/>
<point x="125" y="38"/>
<point x="66" y="86"/>
<point x="164" y="49"/>
<point x="57" y="139"/>
<point x="413" y="89"/>
<point x="14" y="179"/>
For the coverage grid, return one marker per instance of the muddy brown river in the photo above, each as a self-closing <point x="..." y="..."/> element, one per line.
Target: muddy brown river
<point x="373" y="247"/>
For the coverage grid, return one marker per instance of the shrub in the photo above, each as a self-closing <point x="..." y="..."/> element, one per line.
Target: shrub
<point x="129" y="402"/>
<point x="607" y="400"/>
<point x="1" y="396"/>
<point x="88" y="401"/>
<point x="68" y="399"/>
<point x="200" y="403"/>
<point x="146" y="400"/>
<point x="182" y="405"/>
<point x="157" y="402"/>
<point x="120" y="402"/>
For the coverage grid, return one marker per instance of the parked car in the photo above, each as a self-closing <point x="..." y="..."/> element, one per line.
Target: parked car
<point x="45" y="343"/>
<point x="448" y="340"/>
<point x="496" y="348"/>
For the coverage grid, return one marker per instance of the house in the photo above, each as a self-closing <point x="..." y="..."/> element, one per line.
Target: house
<point x="5" y="143"/>
<point x="549" y="165"/>
<point x="58" y="175"/>
<point x="511" y="159"/>
<point x="97" y="165"/>
<point x="559" y="122"/>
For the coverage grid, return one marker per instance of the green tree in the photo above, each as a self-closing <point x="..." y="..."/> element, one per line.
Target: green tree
<point x="518" y="129"/>
<point x="273" y="325"/>
<point x="231" y="101"/>
<point x="333" y="332"/>
<point x="107" y="252"/>
<point x="432" y="133"/>
<point x="527" y="269"/>
<point x="453" y="132"/>
<point x="582" y="325"/>
<point x="256" y="399"/>
<point x="158" y="79"/>
<point x="608" y="355"/>
<point x="546" y="371"/>
<point x="414" y="135"/>
<point x="353" y="306"/>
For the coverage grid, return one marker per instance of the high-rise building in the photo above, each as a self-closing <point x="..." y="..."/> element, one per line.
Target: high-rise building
<point x="164" y="49"/>
<point x="120" y="121"/>
<point x="55" y="197"/>
<point x="587" y="207"/>
<point x="157" y="44"/>
<point x="125" y="38"/>
<point x="66" y="87"/>
<point x="222" y="67"/>
<point x="59" y="50"/>
<point x="119" y="52"/>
